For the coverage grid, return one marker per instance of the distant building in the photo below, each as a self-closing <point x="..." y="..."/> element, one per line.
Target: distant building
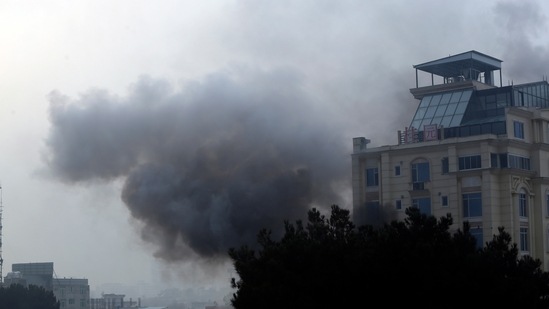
<point x="71" y="293"/>
<point x="14" y="277"/>
<point x="474" y="149"/>
<point x="108" y="301"/>
<point x="39" y="274"/>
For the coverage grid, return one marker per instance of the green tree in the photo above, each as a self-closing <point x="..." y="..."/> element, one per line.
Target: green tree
<point x="330" y="263"/>
<point x="17" y="296"/>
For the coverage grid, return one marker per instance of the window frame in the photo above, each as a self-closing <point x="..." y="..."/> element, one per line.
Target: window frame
<point x="421" y="173"/>
<point x="546" y="204"/>
<point x="445" y="165"/>
<point x="523" y="204"/>
<point x="444" y="201"/>
<point x="398" y="204"/>
<point x="518" y="129"/>
<point x="524" y="241"/>
<point x="477" y="233"/>
<point x="469" y="208"/>
<point x="372" y="177"/>
<point x="469" y="162"/>
<point x="424" y="204"/>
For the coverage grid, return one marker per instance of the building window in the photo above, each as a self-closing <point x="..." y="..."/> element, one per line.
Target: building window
<point x="423" y="204"/>
<point x="547" y="204"/>
<point x="372" y="177"/>
<point x="518" y="129"/>
<point x="444" y="200"/>
<point x="469" y="162"/>
<point x="420" y="175"/>
<point x="505" y="160"/>
<point x="524" y="239"/>
<point x="494" y="160"/>
<point x="547" y="237"/>
<point x="472" y="205"/>
<point x="398" y="204"/>
<point x="372" y="206"/>
<point x="445" y="165"/>
<point x="523" y="204"/>
<point x="477" y="234"/>
<point x="397" y="170"/>
<point x="519" y="162"/>
<point x="71" y="301"/>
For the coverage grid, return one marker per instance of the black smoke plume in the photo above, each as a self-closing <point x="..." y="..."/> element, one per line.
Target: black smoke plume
<point x="206" y="166"/>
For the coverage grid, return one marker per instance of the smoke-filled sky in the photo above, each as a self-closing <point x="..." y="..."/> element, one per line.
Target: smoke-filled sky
<point x="142" y="139"/>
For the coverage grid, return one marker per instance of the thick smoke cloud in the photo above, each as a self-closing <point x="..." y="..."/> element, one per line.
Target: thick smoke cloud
<point x="525" y="52"/>
<point x="205" y="167"/>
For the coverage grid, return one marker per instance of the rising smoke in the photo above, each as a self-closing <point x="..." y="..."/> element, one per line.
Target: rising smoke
<point x="205" y="167"/>
<point x="523" y="40"/>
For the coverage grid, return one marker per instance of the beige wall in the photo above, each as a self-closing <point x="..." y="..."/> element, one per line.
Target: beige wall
<point x="499" y="186"/>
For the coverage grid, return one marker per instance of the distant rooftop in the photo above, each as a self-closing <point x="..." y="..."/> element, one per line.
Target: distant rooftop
<point x="467" y="66"/>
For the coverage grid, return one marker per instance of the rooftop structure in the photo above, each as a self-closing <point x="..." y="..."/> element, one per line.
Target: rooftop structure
<point x="468" y="66"/>
<point x="468" y="103"/>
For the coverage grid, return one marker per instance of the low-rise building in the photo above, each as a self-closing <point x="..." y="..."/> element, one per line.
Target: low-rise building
<point x="72" y="293"/>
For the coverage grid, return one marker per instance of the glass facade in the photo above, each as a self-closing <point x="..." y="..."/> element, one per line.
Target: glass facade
<point x="443" y="109"/>
<point x="473" y="112"/>
<point x="533" y="94"/>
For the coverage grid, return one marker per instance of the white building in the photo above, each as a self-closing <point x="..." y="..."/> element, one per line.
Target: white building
<point x="108" y="301"/>
<point x="72" y="293"/>
<point x="474" y="149"/>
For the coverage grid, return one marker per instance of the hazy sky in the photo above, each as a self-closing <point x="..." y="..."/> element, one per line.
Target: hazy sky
<point x="142" y="139"/>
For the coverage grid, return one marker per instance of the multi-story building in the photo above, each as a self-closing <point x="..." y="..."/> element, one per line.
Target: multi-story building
<point x="39" y="274"/>
<point x="71" y="293"/>
<point x="474" y="148"/>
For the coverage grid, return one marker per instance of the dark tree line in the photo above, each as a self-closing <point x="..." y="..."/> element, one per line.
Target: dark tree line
<point x="329" y="263"/>
<point x="17" y="296"/>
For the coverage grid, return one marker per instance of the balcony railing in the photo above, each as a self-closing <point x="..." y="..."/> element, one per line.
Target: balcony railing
<point x="418" y="186"/>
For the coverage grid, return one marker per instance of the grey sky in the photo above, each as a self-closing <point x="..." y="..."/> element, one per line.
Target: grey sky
<point x="113" y="108"/>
